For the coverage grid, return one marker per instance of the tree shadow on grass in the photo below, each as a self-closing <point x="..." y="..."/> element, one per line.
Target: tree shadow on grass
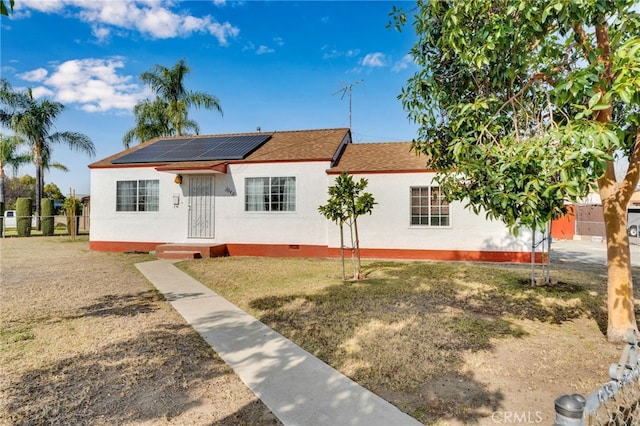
<point x="404" y="331"/>
<point x="125" y="305"/>
<point x="147" y="377"/>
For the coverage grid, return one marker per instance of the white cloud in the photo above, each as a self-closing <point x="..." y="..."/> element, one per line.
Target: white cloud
<point x="158" y="19"/>
<point x="93" y="84"/>
<point x="278" y="41"/>
<point x="373" y="60"/>
<point x="330" y="54"/>
<point x="34" y="75"/>
<point x="41" y="91"/>
<point x="403" y="64"/>
<point x="223" y="31"/>
<point x="101" y="33"/>
<point x="46" y="6"/>
<point x="264" y="49"/>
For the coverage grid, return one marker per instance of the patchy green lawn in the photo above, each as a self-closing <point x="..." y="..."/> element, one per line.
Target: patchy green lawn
<point x="434" y="337"/>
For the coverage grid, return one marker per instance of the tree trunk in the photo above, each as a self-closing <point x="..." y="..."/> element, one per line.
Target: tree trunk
<point x="620" y="301"/>
<point x="37" y="159"/>
<point x="344" y="276"/>
<point x="2" y="198"/>
<point x="2" y="184"/>
<point x="533" y="255"/>
<point x="615" y="199"/>
<point x="357" y="249"/>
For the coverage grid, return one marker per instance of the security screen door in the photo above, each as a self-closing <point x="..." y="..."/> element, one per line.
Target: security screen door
<point x="200" y="206"/>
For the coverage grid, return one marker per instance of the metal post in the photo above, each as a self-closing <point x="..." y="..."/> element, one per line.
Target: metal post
<point x="570" y="410"/>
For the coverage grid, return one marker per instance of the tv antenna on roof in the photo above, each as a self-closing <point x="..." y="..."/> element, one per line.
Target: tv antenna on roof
<point x="344" y="90"/>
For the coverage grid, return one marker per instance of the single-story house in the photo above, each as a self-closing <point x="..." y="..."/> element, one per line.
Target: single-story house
<point x="258" y="194"/>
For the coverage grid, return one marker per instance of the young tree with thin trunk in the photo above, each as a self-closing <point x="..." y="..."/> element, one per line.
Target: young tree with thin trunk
<point x="347" y="202"/>
<point x="512" y="88"/>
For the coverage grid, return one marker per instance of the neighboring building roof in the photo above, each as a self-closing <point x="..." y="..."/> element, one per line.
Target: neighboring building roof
<point x="302" y="145"/>
<point x="379" y="158"/>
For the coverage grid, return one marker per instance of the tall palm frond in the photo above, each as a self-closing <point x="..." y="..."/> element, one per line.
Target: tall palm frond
<point x="34" y="120"/>
<point x="167" y="114"/>
<point x="11" y="156"/>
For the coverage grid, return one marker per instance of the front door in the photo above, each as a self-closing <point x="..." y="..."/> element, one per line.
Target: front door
<point x="200" y="206"/>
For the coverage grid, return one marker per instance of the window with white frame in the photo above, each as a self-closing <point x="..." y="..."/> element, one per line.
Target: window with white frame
<point x="429" y="206"/>
<point x="137" y="195"/>
<point x="276" y="194"/>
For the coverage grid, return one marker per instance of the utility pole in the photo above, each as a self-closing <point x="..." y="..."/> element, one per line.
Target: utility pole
<point x="344" y="90"/>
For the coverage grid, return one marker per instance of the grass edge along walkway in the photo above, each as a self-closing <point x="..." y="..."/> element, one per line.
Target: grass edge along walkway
<point x="296" y="386"/>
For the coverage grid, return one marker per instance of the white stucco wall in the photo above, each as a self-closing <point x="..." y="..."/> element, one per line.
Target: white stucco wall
<point x="304" y="226"/>
<point x="167" y="224"/>
<point x="389" y="227"/>
<point x="231" y="223"/>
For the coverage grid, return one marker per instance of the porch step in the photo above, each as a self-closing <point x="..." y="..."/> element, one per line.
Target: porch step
<point x="190" y="251"/>
<point x="178" y="254"/>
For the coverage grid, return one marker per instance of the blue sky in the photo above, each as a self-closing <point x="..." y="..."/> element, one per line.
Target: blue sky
<point x="277" y="65"/>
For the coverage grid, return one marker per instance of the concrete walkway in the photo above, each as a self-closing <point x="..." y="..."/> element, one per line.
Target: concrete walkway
<point x="296" y="386"/>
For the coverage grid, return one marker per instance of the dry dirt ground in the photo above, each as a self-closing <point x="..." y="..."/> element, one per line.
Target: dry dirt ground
<point x="86" y="340"/>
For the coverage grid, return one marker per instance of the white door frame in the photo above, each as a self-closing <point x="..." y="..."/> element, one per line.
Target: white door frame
<point x="201" y="204"/>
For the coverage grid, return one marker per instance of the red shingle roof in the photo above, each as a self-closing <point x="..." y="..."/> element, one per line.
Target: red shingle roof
<point x="302" y="145"/>
<point x="379" y="158"/>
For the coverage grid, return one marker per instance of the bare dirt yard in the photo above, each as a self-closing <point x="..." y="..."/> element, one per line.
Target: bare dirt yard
<point x="86" y="340"/>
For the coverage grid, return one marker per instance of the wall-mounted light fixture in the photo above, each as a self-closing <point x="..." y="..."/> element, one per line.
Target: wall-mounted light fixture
<point x="178" y="179"/>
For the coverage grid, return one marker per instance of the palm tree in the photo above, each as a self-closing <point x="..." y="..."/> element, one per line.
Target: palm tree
<point x="4" y="10"/>
<point x="168" y="113"/>
<point x="10" y="156"/>
<point x="34" y="121"/>
<point x="47" y="164"/>
<point x="151" y="122"/>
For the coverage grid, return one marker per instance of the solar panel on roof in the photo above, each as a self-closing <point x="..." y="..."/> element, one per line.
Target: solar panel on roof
<point x="196" y="149"/>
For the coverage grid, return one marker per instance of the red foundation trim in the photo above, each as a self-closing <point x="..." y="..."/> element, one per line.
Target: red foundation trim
<point x="443" y="255"/>
<point x="312" y="251"/>
<point x="277" y="250"/>
<point x="121" y="246"/>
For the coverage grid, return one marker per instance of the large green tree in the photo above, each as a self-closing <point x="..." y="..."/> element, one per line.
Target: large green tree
<point x="34" y="120"/>
<point x="524" y="105"/>
<point x="17" y="187"/>
<point x="168" y="113"/>
<point x="12" y="156"/>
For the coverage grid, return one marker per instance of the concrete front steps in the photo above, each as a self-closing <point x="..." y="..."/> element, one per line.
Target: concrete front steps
<point x="190" y="251"/>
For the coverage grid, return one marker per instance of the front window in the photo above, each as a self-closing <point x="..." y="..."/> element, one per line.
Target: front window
<point x="429" y="207"/>
<point x="137" y="195"/>
<point x="277" y="194"/>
